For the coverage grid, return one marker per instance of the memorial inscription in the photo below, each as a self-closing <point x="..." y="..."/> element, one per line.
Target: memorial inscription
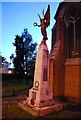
<point x="45" y="73"/>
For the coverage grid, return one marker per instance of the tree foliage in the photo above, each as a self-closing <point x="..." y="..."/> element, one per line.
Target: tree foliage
<point x="4" y="62"/>
<point x="24" y="61"/>
<point x="19" y="59"/>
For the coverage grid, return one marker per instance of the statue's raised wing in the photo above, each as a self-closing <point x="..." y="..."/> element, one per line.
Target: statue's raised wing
<point x="47" y="16"/>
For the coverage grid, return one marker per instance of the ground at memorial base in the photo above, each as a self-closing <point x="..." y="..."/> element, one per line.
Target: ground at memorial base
<point x="40" y="111"/>
<point x="11" y="109"/>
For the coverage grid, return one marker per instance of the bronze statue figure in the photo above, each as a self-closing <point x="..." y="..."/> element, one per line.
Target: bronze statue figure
<point x="44" y="22"/>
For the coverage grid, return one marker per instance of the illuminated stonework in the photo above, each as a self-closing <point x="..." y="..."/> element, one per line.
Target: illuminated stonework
<point x="65" y="56"/>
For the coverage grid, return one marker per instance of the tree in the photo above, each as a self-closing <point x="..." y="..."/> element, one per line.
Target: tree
<point x="5" y="63"/>
<point x="11" y="58"/>
<point x="25" y="54"/>
<point x="29" y="54"/>
<point x="3" y="60"/>
<point x="19" y="59"/>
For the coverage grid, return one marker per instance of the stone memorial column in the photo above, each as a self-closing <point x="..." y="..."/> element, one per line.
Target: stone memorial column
<point x="40" y="93"/>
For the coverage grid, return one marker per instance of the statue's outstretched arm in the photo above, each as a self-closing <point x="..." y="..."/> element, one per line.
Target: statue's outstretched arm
<point x="39" y="17"/>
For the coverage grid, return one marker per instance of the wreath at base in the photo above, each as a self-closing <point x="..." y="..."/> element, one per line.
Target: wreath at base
<point x="36" y="84"/>
<point x="32" y="101"/>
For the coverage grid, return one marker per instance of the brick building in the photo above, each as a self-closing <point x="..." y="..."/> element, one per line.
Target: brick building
<point x="65" y="55"/>
<point x="4" y="67"/>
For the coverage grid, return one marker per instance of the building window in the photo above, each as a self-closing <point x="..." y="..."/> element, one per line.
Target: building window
<point x="74" y="34"/>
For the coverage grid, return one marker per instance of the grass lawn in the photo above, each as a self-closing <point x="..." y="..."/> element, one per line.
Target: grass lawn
<point x="14" y="89"/>
<point x="8" y="91"/>
<point x="18" y="113"/>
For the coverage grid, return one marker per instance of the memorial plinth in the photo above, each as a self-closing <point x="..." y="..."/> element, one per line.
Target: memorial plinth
<point x="40" y="100"/>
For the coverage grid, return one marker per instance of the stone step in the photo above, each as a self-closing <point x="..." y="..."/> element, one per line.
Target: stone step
<point x="36" y="111"/>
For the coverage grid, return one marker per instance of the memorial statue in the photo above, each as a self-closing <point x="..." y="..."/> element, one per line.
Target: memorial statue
<point x="44" y="22"/>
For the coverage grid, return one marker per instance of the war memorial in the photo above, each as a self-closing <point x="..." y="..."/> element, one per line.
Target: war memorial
<point x="58" y="73"/>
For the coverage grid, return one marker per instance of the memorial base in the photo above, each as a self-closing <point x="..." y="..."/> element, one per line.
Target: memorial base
<point x="40" y="111"/>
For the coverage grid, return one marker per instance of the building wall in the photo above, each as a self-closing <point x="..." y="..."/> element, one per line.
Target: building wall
<point x="3" y="70"/>
<point x="65" y="73"/>
<point x="73" y="79"/>
<point x="57" y="59"/>
<point x="80" y="83"/>
<point x="6" y="71"/>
